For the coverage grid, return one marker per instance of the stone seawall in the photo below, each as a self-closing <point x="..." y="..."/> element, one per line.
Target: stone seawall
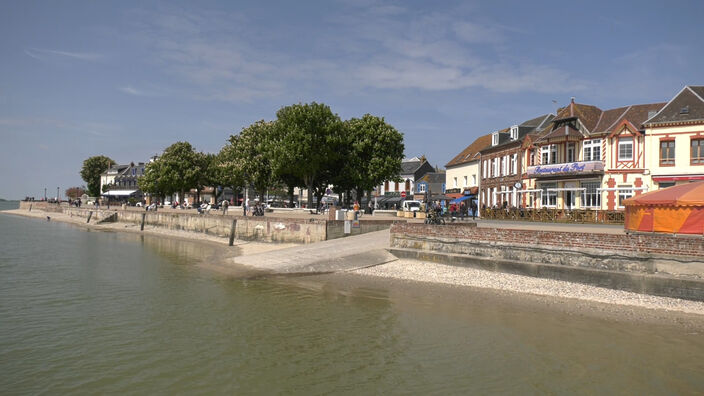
<point x="664" y="265"/>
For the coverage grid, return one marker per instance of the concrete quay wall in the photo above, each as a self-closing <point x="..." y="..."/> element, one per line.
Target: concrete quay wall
<point x="671" y="266"/>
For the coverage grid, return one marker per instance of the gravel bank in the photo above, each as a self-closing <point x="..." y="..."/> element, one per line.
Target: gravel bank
<point x="420" y="271"/>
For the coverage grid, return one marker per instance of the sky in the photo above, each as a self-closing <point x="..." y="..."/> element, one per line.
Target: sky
<point x="127" y="79"/>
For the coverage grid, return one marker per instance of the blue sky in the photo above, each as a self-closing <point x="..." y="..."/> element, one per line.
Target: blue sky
<point x="127" y="79"/>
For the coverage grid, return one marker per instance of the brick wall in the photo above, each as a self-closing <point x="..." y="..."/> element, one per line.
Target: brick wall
<point x="635" y="243"/>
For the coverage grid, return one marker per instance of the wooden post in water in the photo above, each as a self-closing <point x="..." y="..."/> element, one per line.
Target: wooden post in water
<point x="141" y="228"/>
<point x="90" y="214"/>
<point x="232" y="232"/>
<point x="30" y="207"/>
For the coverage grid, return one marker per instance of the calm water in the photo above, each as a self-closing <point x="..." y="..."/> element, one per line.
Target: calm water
<point x="93" y="312"/>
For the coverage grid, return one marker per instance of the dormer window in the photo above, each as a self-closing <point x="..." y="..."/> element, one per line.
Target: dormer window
<point x="684" y="110"/>
<point x="514" y="132"/>
<point x="495" y="138"/>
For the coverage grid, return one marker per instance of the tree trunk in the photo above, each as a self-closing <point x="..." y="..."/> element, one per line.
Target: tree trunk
<point x="309" y="185"/>
<point x="290" y="196"/>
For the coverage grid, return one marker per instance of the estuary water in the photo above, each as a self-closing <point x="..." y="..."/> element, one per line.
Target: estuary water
<point x="87" y="312"/>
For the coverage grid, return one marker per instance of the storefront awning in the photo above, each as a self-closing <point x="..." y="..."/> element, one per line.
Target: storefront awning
<point x="460" y="199"/>
<point x="119" y="193"/>
<point x="677" y="178"/>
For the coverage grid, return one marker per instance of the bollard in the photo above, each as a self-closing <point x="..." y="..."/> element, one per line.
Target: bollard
<point x="232" y="232"/>
<point x="141" y="228"/>
<point x="90" y="214"/>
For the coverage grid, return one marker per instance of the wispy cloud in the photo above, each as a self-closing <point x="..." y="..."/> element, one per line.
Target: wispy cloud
<point x="369" y="46"/>
<point x="48" y="54"/>
<point x="130" y="90"/>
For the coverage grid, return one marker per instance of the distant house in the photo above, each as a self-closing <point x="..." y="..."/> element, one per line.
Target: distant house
<point x="462" y="172"/>
<point x="120" y="181"/>
<point x="430" y="187"/>
<point x="389" y="193"/>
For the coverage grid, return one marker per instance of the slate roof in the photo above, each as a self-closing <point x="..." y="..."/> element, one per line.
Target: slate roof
<point x="635" y="114"/>
<point x="433" y="178"/>
<point x="410" y="166"/>
<point x="471" y="152"/>
<point x="690" y="98"/>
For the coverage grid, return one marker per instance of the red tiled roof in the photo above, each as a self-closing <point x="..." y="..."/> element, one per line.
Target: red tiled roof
<point x="471" y="152"/>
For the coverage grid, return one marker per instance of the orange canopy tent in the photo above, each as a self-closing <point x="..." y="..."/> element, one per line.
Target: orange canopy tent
<point x="678" y="210"/>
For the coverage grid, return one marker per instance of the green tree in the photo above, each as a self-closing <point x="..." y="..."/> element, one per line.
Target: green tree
<point x="376" y="151"/>
<point x="179" y="169"/>
<point x="306" y="145"/>
<point x="150" y="182"/>
<point x="249" y="155"/>
<point x="90" y="173"/>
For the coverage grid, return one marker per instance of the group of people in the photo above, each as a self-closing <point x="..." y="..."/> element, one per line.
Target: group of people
<point x="463" y="209"/>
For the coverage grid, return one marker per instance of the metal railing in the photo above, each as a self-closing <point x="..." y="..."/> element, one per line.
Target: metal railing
<point x="549" y="215"/>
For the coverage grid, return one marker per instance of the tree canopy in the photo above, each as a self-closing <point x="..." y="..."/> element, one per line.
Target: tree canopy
<point x="179" y="169"/>
<point x="306" y="145"/>
<point x="249" y="155"/>
<point x="90" y="173"/>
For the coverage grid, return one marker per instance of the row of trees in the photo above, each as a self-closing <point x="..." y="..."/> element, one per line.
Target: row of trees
<point x="306" y="146"/>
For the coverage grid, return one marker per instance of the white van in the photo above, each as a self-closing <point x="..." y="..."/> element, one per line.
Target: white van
<point x="411" y="206"/>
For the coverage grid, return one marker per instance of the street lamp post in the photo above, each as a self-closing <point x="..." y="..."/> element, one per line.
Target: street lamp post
<point x="57" y="195"/>
<point x="45" y="194"/>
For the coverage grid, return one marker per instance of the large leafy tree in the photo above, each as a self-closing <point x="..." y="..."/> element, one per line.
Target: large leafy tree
<point x="306" y="145"/>
<point x="151" y="182"/>
<point x="90" y="173"/>
<point x="179" y="169"/>
<point x="376" y="151"/>
<point x="249" y="156"/>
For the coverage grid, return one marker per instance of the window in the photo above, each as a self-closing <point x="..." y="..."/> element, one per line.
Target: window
<point x="408" y="185"/>
<point x="625" y="149"/>
<point x="570" y="152"/>
<point x="514" y="161"/>
<point x="495" y="139"/>
<point x="386" y="186"/>
<point x="421" y="187"/>
<point x="667" y="152"/>
<point x="697" y="153"/>
<point x="531" y="159"/>
<point x="474" y="180"/>
<point x="548" y="154"/>
<point x="590" y="196"/>
<point x="662" y="185"/>
<point x="592" y="150"/>
<point x="454" y="182"/>
<point x="465" y="182"/>
<point x="549" y="197"/>
<point x="484" y="165"/>
<point x="134" y="171"/>
<point x="514" y="132"/>
<point x="495" y="171"/>
<point x="624" y="192"/>
<point x="503" y="166"/>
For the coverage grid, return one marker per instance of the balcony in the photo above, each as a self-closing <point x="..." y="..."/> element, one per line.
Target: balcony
<point x="582" y="168"/>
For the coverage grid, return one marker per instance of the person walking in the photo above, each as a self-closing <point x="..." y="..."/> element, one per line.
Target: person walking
<point x="473" y="207"/>
<point x="225" y="204"/>
<point x="244" y="207"/>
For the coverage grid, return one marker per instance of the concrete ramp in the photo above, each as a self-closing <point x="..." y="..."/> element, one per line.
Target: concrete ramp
<point x="335" y="255"/>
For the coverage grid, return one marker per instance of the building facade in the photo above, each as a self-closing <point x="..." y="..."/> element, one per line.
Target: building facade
<point x="674" y="139"/>
<point x="463" y="172"/>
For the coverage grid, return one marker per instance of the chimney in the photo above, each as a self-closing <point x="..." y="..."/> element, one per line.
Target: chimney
<point x="572" y="99"/>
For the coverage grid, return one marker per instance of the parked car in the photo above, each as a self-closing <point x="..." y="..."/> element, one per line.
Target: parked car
<point x="411" y="206"/>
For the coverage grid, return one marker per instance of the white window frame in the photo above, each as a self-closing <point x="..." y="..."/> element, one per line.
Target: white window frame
<point x="591" y="146"/>
<point x="474" y="180"/>
<point x="494" y="138"/>
<point x="514" y="164"/>
<point x="514" y="132"/>
<point x="455" y="182"/>
<point x="547" y="194"/>
<point x="624" y="192"/>
<point x="465" y="182"/>
<point x="624" y="142"/>
<point x="421" y="187"/>
<point x="594" y="192"/>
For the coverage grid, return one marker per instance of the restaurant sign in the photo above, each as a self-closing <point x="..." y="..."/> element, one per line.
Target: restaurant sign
<point x="570" y="168"/>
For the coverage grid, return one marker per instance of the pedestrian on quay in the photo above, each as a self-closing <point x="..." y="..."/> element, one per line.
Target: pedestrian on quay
<point x="225" y="204"/>
<point x="244" y="207"/>
<point x="473" y="207"/>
